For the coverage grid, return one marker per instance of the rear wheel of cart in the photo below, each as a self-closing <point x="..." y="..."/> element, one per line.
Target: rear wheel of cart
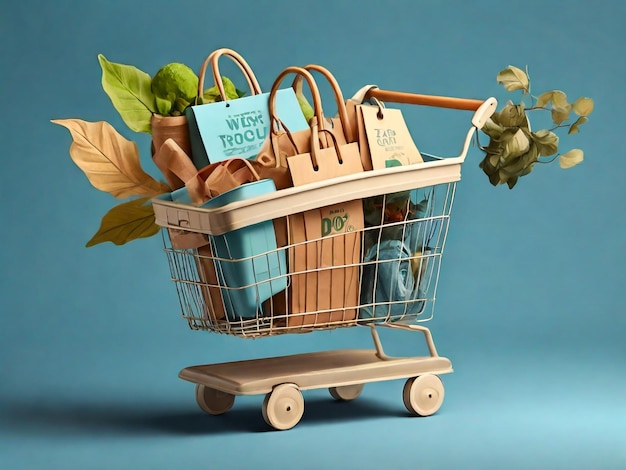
<point x="283" y="407"/>
<point x="347" y="392"/>
<point x="213" y="401"/>
<point x="423" y="395"/>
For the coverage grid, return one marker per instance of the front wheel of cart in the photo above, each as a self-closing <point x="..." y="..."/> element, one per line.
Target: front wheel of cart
<point x="423" y="395"/>
<point x="347" y="392"/>
<point x="283" y="407"/>
<point x="213" y="401"/>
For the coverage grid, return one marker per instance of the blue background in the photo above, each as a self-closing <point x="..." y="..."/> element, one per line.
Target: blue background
<point x="530" y="307"/>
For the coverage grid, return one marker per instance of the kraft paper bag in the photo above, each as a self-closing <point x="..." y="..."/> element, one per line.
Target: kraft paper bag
<point x="389" y="140"/>
<point x="356" y="118"/>
<point x="285" y="141"/>
<point x="328" y="247"/>
<point x="323" y="244"/>
<point x="324" y="256"/>
<point x="324" y="163"/>
<point x="342" y="125"/>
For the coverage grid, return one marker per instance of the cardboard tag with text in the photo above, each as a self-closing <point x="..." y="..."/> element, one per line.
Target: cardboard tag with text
<point x="389" y="140"/>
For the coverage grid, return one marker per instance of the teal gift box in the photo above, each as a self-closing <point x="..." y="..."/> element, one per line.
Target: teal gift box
<point x="249" y="266"/>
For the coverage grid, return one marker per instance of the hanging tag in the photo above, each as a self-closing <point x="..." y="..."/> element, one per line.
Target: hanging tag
<point x="389" y="139"/>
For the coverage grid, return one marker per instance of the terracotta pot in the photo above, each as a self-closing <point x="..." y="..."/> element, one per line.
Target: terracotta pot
<point x="174" y="127"/>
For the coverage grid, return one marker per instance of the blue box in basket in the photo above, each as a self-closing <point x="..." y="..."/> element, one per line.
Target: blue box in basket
<point x="249" y="267"/>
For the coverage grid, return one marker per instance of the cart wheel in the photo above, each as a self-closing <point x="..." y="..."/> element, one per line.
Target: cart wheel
<point x="283" y="407"/>
<point x="423" y="395"/>
<point x="213" y="401"/>
<point x="347" y="392"/>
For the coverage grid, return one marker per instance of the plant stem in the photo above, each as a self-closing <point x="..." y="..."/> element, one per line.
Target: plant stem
<point x="549" y="161"/>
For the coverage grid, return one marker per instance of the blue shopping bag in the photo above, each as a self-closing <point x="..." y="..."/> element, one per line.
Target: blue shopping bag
<point x="249" y="266"/>
<point x="390" y="289"/>
<point x="236" y="127"/>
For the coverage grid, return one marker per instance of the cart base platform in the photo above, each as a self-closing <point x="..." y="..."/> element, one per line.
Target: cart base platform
<point x="336" y="368"/>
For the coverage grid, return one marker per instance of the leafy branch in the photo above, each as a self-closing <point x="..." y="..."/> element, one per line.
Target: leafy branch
<point x="513" y="148"/>
<point x="112" y="163"/>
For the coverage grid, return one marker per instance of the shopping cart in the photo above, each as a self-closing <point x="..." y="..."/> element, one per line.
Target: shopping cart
<point x="226" y="286"/>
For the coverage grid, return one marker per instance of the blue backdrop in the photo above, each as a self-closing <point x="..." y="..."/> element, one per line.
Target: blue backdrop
<point x="529" y="308"/>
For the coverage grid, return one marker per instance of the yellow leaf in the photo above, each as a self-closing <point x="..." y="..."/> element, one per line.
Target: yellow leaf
<point x="126" y="222"/>
<point x="544" y="99"/>
<point x="559" y="101"/>
<point x="574" y="128"/>
<point x="513" y="78"/>
<point x="560" y="115"/>
<point x="583" y="106"/>
<point x="571" y="158"/>
<point x="110" y="162"/>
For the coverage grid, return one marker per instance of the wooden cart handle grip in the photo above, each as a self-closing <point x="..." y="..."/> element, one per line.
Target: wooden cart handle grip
<point x="426" y="100"/>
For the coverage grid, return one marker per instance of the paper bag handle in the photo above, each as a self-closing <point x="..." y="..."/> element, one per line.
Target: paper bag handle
<point x="348" y="131"/>
<point x="315" y="93"/>
<point x="275" y="120"/>
<point x="315" y="143"/>
<point x="212" y="181"/>
<point x="213" y="59"/>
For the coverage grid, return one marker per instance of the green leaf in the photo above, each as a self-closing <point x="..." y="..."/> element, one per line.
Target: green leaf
<point x="230" y="89"/>
<point x="164" y="106"/>
<point x="211" y="95"/>
<point x="491" y="128"/>
<point x="574" y="128"/>
<point x="513" y="78"/>
<point x="502" y="177"/>
<point x="571" y="158"/>
<point x="126" y="222"/>
<point x="129" y="91"/>
<point x="305" y="106"/>
<point x="493" y="160"/>
<point x="547" y="142"/>
<point x="511" y="115"/>
<point x="527" y="170"/>
<point x="516" y="146"/>
<point x="544" y="99"/>
<point x="516" y="166"/>
<point x="179" y="106"/>
<point x="583" y="106"/>
<point x="494" y="178"/>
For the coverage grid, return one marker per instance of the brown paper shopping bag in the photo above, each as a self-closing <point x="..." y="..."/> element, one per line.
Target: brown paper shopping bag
<point x="356" y="118"/>
<point x="342" y="126"/>
<point x="324" y="255"/>
<point x="284" y="142"/>
<point x="324" y="243"/>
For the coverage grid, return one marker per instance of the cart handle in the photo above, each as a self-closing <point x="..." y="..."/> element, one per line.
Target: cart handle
<point x="483" y="109"/>
<point x="425" y="100"/>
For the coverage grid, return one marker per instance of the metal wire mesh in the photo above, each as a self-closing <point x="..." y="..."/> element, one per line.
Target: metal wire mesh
<point x="385" y="271"/>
